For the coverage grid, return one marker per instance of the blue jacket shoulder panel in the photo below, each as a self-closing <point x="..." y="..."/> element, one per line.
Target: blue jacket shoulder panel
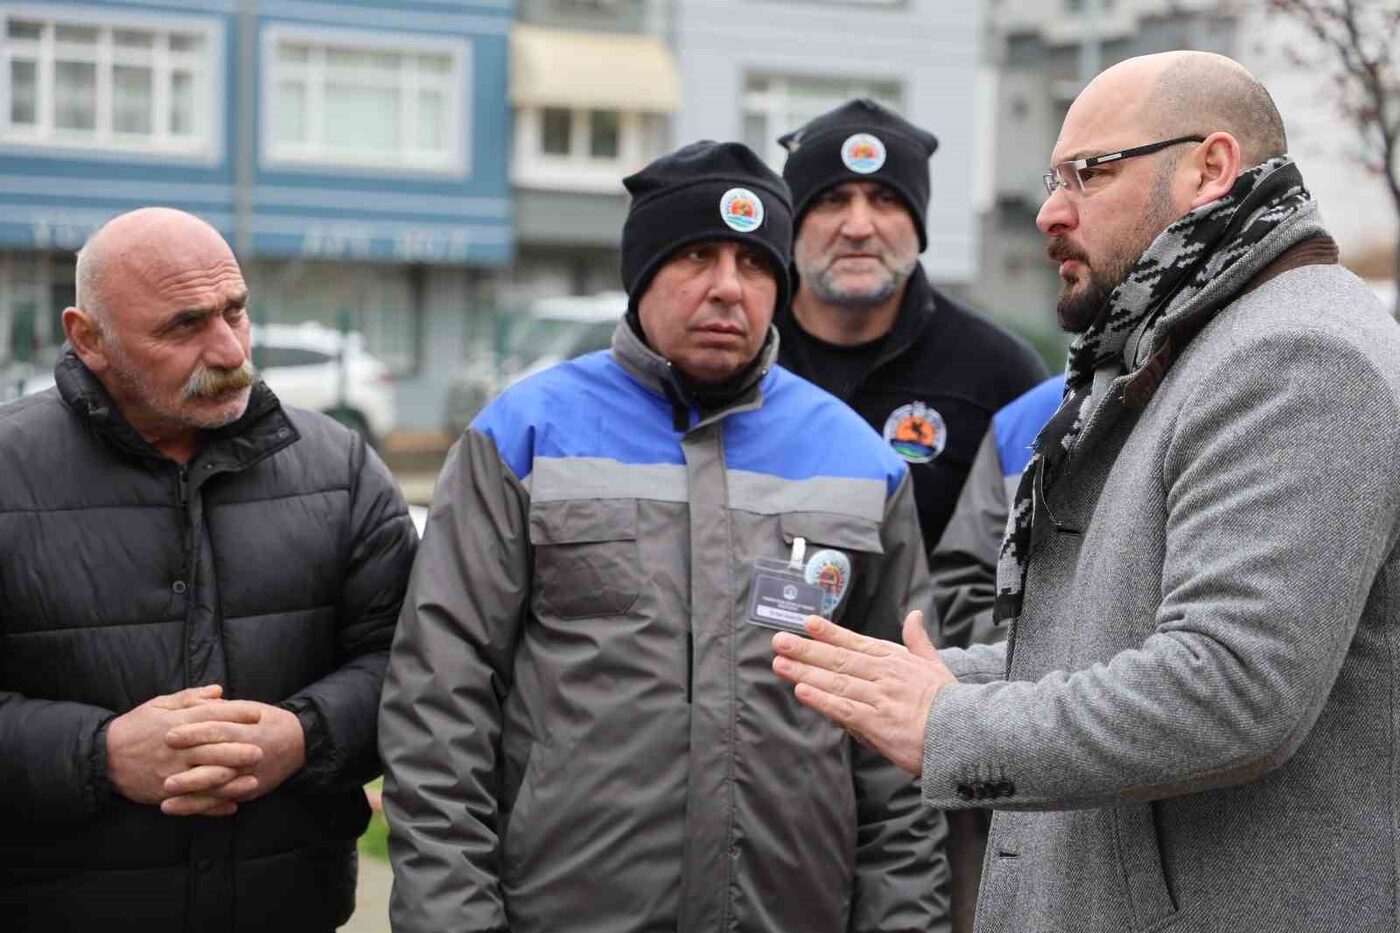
<point x="802" y="432"/>
<point x="585" y="407"/>
<point x="1018" y="423"/>
<point x="590" y="407"/>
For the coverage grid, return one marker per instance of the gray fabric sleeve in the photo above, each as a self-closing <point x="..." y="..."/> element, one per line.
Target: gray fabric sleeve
<point x="963" y="565"/>
<point x="978" y="664"/>
<point x="449" y="672"/>
<point x="1268" y="568"/>
<point x="902" y="875"/>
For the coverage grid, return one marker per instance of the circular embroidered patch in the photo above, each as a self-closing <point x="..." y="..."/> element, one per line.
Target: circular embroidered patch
<point x="916" y="432"/>
<point x="863" y="153"/>
<point x="741" y="210"/>
<point x="830" y="570"/>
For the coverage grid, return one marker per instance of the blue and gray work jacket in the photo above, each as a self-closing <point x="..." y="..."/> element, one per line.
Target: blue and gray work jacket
<point x="964" y="564"/>
<point x="579" y="728"/>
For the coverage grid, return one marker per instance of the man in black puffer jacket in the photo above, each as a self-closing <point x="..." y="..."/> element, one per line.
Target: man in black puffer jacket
<point x="198" y="589"/>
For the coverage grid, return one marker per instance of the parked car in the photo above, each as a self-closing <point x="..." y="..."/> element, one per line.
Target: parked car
<point x="550" y="331"/>
<point x="302" y="364"/>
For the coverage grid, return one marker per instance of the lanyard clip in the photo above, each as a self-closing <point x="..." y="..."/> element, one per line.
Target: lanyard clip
<point x="799" y="552"/>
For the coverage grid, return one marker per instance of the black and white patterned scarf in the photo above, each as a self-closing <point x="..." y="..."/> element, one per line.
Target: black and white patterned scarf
<point x="1183" y="259"/>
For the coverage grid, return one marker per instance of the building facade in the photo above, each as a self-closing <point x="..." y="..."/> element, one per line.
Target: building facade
<point x="755" y="69"/>
<point x="355" y="153"/>
<point x="593" y="87"/>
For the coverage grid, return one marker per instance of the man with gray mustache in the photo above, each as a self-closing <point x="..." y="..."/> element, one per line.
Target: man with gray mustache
<point x="198" y="588"/>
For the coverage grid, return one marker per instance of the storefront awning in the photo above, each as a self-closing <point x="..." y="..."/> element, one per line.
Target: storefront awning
<point x="602" y="71"/>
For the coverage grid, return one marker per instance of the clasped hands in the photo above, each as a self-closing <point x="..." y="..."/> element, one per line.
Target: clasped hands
<point x="878" y="691"/>
<point x="195" y="753"/>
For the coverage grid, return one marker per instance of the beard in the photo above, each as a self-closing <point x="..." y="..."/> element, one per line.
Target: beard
<point x="825" y="284"/>
<point x="1081" y="303"/>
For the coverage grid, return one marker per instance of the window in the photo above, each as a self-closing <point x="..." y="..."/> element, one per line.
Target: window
<point x="558" y="128"/>
<point x="584" y="149"/>
<point x="124" y="84"/>
<point x="776" y="104"/>
<point x="356" y="101"/>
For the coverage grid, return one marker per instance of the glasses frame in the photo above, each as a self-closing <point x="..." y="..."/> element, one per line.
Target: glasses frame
<point x="1053" y="181"/>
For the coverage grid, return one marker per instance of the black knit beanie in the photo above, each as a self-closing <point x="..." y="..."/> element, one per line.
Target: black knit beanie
<point x="860" y="141"/>
<point x="704" y="191"/>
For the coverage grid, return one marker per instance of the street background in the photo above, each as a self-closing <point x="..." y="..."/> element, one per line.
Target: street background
<point x="425" y="194"/>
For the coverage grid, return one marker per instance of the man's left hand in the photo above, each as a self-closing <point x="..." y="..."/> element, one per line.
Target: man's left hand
<point x="278" y="733"/>
<point x="878" y="691"/>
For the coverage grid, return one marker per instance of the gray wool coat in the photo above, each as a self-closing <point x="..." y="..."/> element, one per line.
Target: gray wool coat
<point x="1198" y="727"/>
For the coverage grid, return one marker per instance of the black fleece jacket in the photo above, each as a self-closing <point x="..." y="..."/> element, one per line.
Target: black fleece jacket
<point x="941" y="353"/>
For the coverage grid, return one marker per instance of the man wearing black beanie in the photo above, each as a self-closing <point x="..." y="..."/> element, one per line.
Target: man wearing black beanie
<point x="866" y="325"/>
<point x="581" y="728"/>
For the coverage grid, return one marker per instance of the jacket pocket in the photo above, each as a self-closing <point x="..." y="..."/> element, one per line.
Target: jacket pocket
<point x="586" y="558"/>
<point x="1140" y="851"/>
<point x="1001" y="879"/>
<point x="854" y="541"/>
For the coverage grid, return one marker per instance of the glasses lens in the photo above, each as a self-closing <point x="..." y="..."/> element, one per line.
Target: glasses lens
<point x="1050" y="182"/>
<point x="1068" y="177"/>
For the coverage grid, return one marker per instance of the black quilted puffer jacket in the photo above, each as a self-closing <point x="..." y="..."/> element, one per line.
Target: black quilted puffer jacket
<point x="274" y="564"/>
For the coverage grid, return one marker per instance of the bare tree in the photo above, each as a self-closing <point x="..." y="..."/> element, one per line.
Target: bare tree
<point x="1357" y="49"/>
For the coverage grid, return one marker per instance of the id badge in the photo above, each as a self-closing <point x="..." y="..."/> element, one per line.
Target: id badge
<point x="781" y="597"/>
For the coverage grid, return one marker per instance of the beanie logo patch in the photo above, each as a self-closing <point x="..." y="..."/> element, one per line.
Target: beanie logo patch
<point x="741" y="210"/>
<point x="863" y="154"/>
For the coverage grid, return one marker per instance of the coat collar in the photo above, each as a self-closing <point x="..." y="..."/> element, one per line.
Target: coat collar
<point x="263" y="429"/>
<point x="657" y="374"/>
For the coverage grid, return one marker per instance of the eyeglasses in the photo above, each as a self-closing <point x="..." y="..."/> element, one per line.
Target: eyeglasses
<point x="1067" y="174"/>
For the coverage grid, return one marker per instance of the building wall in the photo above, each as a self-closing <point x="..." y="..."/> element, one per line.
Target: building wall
<point x="310" y="210"/>
<point x="928" y="48"/>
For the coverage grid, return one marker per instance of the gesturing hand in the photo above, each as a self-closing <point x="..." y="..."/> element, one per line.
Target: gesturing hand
<point x="139" y="760"/>
<point x="878" y="691"/>
<point x="277" y="733"/>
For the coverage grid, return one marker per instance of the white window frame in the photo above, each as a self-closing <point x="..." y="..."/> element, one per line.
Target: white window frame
<point x="459" y="104"/>
<point x="532" y="167"/>
<point x="774" y="104"/>
<point x="206" y="145"/>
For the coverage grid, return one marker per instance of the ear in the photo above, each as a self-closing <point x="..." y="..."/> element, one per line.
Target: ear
<point x="1217" y="162"/>
<point x="86" y="338"/>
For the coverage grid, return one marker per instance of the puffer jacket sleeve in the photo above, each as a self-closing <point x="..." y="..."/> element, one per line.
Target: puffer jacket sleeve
<point x="338" y="712"/>
<point x="53" y="758"/>
<point x="440" y="723"/>
<point x="902" y="875"/>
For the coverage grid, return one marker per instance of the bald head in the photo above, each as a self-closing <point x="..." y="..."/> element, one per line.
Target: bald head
<point x="143" y="247"/>
<point x="1184" y="93"/>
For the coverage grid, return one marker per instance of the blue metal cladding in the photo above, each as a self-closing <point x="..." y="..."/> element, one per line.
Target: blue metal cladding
<point x="460" y="214"/>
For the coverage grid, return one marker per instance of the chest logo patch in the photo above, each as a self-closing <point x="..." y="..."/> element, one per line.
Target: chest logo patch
<point x="831" y="571"/>
<point x="916" y="432"/>
<point x="863" y="153"/>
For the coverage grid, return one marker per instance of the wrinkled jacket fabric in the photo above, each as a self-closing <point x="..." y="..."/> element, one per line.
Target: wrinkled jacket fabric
<point x="581" y="732"/>
<point x="1193" y="727"/>
<point x="274" y="564"/>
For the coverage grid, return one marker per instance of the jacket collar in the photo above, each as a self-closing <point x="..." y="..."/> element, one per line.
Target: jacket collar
<point x="657" y="375"/>
<point x="263" y="429"/>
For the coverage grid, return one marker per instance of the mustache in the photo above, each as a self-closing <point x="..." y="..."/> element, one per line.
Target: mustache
<point x="209" y="383"/>
<point x="1060" y="250"/>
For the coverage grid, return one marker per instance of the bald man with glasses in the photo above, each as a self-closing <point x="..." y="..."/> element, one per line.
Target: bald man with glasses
<point x="1192" y="723"/>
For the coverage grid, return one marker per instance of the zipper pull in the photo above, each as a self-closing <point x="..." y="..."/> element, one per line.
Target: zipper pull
<point x="182" y="480"/>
